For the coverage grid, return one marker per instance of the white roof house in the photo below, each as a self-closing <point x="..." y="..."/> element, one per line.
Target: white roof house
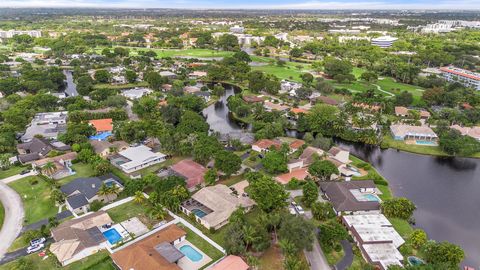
<point x="376" y="238"/>
<point x="48" y="124"/>
<point x="135" y="158"/>
<point x="136" y="93"/>
<point x="384" y="41"/>
<point x="403" y="132"/>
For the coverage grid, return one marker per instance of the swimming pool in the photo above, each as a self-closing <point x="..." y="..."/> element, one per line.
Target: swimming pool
<point x="429" y="143"/>
<point x="199" y="213"/>
<point x="112" y="236"/>
<point x="191" y="253"/>
<point x="101" y="137"/>
<point x="371" y="198"/>
<point x="415" y="261"/>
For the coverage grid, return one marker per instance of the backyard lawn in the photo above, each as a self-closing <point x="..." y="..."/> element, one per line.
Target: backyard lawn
<point x="120" y="86"/>
<point x="389" y="142"/>
<point x="81" y="170"/>
<point x="287" y="72"/>
<point x="35" y="194"/>
<point x="272" y="258"/>
<point x="132" y="209"/>
<point x="99" y="261"/>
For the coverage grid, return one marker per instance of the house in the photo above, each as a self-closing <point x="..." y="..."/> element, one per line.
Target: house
<point x="213" y="205"/>
<point x="368" y="107"/>
<point x="136" y="93"/>
<point x="252" y="99"/>
<point x="287" y="86"/>
<point x="325" y="100"/>
<point x="340" y="154"/>
<point x="295" y="145"/>
<point x="404" y="112"/>
<point x="102" y="125"/>
<point x="298" y="173"/>
<point x="155" y="252"/>
<point x="168" y="74"/>
<point x="191" y="171"/>
<point x="264" y="145"/>
<point x="191" y="89"/>
<point x="78" y="238"/>
<point x="106" y="148"/>
<point x="48" y="125"/>
<point x="473" y="132"/>
<point x="352" y="197"/>
<point x="376" y="238"/>
<point x="270" y="106"/>
<point x="297" y="111"/>
<point x="403" y="132"/>
<point x="203" y="94"/>
<point x="166" y="87"/>
<point x="135" y="158"/>
<point x="401" y="111"/>
<point x="38" y="148"/>
<point x="197" y="74"/>
<point x="61" y="165"/>
<point x="231" y="262"/>
<point x="83" y="191"/>
<point x="305" y="159"/>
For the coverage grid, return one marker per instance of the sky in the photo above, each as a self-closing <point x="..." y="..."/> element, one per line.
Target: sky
<point x="250" y="4"/>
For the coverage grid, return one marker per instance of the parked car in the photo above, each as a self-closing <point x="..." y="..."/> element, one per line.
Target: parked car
<point x="300" y="210"/>
<point x="24" y="171"/>
<point x="37" y="241"/>
<point x="35" y="248"/>
<point x="292" y="210"/>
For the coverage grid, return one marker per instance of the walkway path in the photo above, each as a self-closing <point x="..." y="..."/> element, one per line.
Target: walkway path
<point x="16" y="177"/>
<point x="383" y="91"/>
<point x="14" y="215"/>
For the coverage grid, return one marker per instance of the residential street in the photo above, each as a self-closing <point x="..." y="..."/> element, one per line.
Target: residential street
<point x="315" y="258"/>
<point x="14" y="215"/>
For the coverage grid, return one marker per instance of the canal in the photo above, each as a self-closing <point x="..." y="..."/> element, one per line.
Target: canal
<point x="446" y="191"/>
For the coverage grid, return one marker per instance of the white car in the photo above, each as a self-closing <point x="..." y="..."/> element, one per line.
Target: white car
<point x="300" y="210"/>
<point x="292" y="210"/>
<point x="35" y="248"/>
<point x="37" y="241"/>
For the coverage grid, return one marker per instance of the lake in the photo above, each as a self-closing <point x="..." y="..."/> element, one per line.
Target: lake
<point x="446" y="191"/>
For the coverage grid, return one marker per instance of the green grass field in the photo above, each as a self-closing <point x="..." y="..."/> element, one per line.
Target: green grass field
<point x="11" y="171"/>
<point x="81" y="170"/>
<point x="201" y="53"/>
<point x="36" y="198"/>
<point x="98" y="261"/>
<point x="389" y="142"/>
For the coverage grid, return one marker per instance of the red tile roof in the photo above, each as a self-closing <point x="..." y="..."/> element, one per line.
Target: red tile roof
<point x="191" y="170"/>
<point x="102" y="125"/>
<point x="296" y="144"/>
<point x="298" y="110"/>
<point x="300" y="174"/>
<point x="231" y="262"/>
<point x="266" y="144"/>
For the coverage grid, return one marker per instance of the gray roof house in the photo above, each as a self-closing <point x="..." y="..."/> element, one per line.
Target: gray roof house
<point x="38" y="148"/>
<point x="48" y="125"/>
<point x="82" y="191"/>
<point x="352" y="196"/>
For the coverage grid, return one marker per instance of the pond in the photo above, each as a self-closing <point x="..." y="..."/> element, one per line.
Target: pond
<point x="445" y="190"/>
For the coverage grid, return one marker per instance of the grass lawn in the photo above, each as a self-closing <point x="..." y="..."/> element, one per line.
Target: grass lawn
<point x="98" y="261"/>
<point x="132" y="209"/>
<point x="36" y="198"/>
<point x="389" y="142"/>
<point x="334" y="257"/>
<point x="288" y="72"/>
<point x="177" y="52"/>
<point x="119" y="86"/>
<point x="272" y="258"/>
<point x="232" y="180"/>
<point x="203" y="245"/>
<point x="81" y="170"/>
<point x="12" y="171"/>
<point x="402" y="227"/>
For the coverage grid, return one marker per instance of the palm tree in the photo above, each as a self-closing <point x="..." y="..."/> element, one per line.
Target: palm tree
<point x="157" y="212"/>
<point x="139" y="197"/>
<point x="287" y="247"/>
<point x="48" y="168"/>
<point x="104" y="190"/>
<point x="114" y="190"/>
<point x="292" y="263"/>
<point x="248" y="235"/>
<point x="253" y="261"/>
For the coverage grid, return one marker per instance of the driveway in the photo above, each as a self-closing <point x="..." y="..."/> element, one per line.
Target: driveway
<point x="315" y="258"/>
<point x="131" y="115"/>
<point x="347" y="259"/>
<point x="16" y="177"/>
<point x="14" y="215"/>
<point x="12" y="256"/>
